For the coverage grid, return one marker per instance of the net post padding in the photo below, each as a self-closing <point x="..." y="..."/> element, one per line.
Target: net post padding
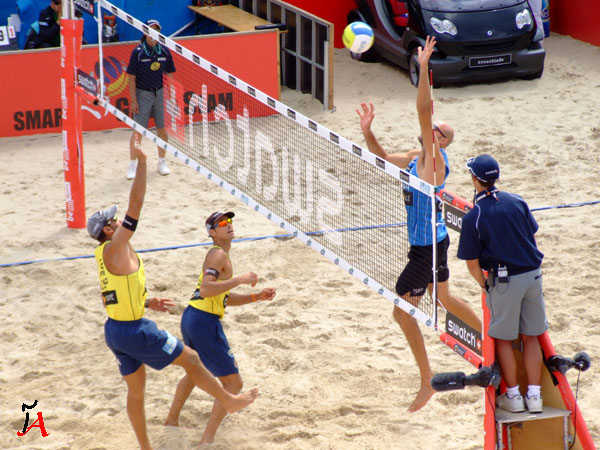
<point x="337" y="198"/>
<point x="72" y="33"/>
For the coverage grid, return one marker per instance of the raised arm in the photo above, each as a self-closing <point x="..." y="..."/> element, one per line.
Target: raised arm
<point x="367" y="114"/>
<point x="118" y="254"/>
<point x="424" y="110"/>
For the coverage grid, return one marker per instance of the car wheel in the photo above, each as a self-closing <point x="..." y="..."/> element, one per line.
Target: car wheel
<point x="413" y="68"/>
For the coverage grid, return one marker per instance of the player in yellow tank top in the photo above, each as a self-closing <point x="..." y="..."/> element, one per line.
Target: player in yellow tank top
<point x="135" y="340"/>
<point x="214" y="304"/>
<point x="201" y="321"/>
<point x="123" y="296"/>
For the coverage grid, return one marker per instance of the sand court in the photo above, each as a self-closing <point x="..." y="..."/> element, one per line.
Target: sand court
<point x="334" y="370"/>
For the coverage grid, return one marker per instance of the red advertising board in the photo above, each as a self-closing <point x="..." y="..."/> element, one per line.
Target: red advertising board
<point x="30" y="80"/>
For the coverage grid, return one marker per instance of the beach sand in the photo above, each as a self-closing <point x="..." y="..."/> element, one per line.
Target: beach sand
<point x="333" y="368"/>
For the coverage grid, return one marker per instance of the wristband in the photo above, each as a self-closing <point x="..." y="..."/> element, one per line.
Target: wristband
<point x="129" y="223"/>
<point x="253" y="297"/>
<point x="147" y="303"/>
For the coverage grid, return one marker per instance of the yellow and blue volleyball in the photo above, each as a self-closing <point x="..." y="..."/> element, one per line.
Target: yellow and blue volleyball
<point x="358" y="37"/>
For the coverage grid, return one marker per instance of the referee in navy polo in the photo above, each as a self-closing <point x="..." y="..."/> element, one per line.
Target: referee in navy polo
<point x="498" y="236"/>
<point x="147" y="64"/>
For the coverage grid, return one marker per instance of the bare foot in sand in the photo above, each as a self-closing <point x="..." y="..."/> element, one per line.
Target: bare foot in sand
<point x="171" y="422"/>
<point x="423" y="396"/>
<point x="240" y="401"/>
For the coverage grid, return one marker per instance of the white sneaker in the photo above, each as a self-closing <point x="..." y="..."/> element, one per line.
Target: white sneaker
<point x="131" y="170"/>
<point x="514" y="404"/>
<point x="162" y="167"/>
<point x="534" y="403"/>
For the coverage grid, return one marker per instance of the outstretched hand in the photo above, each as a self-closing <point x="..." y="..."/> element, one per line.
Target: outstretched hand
<point x="366" y="114"/>
<point x="266" y="294"/>
<point x="137" y="148"/>
<point x="425" y="53"/>
<point x="160" y="304"/>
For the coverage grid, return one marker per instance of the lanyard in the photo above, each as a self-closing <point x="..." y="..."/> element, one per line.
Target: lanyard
<point x="155" y="50"/>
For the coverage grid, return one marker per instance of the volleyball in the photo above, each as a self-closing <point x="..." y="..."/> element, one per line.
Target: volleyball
<point x="358" y="37"/>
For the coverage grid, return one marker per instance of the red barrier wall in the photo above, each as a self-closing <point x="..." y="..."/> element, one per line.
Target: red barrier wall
<point x="334" y="11"/>
<point x="576" y="18"/>
<point x="30" y="81"/>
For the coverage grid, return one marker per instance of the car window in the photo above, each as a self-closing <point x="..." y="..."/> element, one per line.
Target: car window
<point x="466" y="5"/>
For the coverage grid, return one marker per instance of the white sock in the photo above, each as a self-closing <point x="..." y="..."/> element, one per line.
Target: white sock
<point x="512" y="391"/>
<point x="161" y="160"/>
<point x="533" y="389"/>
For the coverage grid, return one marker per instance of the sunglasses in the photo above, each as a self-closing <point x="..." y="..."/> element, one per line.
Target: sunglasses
<point x="222" y="223"/>
<point x="437" y="128"/>
<point x="111" y="221"/>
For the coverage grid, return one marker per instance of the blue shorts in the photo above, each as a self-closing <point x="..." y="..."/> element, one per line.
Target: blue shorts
<point x="140" y="342"/>
<point x="203" y="332"/>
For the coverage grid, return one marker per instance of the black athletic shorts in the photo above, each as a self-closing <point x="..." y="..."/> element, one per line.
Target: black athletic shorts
<point x="417" y="274"/>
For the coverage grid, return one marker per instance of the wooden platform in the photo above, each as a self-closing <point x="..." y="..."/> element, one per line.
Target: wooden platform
<point x="230" y="16"/>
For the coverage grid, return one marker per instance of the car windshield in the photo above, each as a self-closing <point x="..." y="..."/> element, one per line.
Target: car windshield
<point x="466" y="5"/>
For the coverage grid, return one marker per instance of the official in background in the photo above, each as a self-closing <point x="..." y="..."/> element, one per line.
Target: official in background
<point x="49" y="26"/>
<point x="497" y="236"/>
<point x="147" y="64"/>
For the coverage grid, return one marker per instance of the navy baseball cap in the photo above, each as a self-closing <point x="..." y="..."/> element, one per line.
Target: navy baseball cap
<point x="484" y="167"/>
<point x="99" y="219"/>
<point x="153" y="23"/>
<point x="214" y="218"/>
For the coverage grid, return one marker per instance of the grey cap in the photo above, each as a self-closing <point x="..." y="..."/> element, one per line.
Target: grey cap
<point x="216" y="216"/>
<point x="99" y="219"/>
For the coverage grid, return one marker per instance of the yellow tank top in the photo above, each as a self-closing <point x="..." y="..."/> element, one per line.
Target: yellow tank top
<point x="213" y="305"/>
<point x="124" y="296"/>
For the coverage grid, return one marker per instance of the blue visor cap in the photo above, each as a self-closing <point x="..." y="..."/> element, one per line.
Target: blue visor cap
<point x="153" y="23"/>
<point x="484" y="167"/>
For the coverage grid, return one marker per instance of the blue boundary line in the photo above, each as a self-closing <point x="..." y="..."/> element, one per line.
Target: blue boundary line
<point x="175" y="247"/>
<point x="258" y="238"/>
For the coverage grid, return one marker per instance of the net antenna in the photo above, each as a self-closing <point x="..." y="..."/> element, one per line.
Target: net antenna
<point x="339" y="199"/>
<point x="434" y="204"/>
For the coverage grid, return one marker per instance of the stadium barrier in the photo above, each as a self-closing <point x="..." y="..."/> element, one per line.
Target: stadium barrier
<point x="24" y="72"/>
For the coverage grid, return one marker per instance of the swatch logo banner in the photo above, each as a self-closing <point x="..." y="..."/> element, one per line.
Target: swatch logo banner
<point x="87" y="82"/>
<point x="463" y="333"/>
<point x="453" y="217"/>
<point x="85" y="5"/>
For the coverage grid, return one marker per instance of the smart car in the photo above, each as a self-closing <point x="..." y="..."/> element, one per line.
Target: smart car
<point x="477" y="40"/>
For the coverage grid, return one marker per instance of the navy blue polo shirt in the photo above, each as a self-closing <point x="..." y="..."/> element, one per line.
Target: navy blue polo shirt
<point x="148" y="65"/>
<point x="499" y="230"/>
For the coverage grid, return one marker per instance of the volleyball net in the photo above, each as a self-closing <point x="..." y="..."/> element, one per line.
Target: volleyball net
<point x="339" y="199"/>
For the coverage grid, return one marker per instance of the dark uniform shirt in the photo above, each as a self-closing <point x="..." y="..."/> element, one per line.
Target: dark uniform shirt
<point x="499" y="230"/>
<point x="148" y="65"/>
<point x="49" y="35"/>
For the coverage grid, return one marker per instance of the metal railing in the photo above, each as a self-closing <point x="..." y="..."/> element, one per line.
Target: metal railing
<point x="306" y="50"/>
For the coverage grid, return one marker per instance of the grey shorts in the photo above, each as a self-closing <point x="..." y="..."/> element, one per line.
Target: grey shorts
<point x="151" y="105"/>
<point x="517" y="307"/>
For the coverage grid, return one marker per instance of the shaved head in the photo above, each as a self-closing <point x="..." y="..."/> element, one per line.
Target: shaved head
<point x="447" y="130"/>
